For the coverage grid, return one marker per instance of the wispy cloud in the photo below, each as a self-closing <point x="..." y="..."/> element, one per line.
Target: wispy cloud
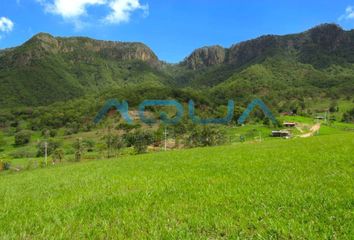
<point x="73" y="10"/>
<point x="348" y="15"/>
<point x="6" y="26"/>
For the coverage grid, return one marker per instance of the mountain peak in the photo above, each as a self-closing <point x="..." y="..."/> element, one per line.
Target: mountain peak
<point x="42" y="45"/>
<point x="206" y="56"/>
<point x="327" y="27"/>
<point x="328" y="36"/>
<point x="43" y="38"/>
<point x="42" y="35"/>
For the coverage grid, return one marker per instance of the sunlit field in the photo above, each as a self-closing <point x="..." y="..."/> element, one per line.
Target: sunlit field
<point x="296" y="189"/>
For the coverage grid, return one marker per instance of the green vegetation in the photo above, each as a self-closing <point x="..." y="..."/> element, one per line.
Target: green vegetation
<point x="205" y="136"/>
<point x="349" y="116"/>
<point x="139" y="140"/>
<point x="315" y="64"/>
<point x="99" y="184"/>
<point x="240" y="191"/>
<point x="22" y="138"/>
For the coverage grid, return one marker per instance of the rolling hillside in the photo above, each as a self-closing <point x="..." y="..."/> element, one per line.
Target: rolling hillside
<point x="301" y="188"/>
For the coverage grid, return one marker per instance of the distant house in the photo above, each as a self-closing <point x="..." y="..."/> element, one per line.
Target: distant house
<point x="289" y="124"/>
<point x="281" y="133"/>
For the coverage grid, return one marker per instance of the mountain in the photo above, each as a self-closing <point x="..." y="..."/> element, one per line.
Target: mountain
<point x="328" y="41"/>
<point x="318" y="63"/>
<point x="45" y="69"/>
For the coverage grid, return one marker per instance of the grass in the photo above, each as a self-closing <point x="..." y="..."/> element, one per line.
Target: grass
<point x="280" y="189"/>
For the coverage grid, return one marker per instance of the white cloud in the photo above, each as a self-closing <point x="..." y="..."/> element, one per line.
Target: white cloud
<point x="348" y="15"/>
<point x="6" y="25"/>
<point x="73" y="10"/>
<point x="122" y="9"/>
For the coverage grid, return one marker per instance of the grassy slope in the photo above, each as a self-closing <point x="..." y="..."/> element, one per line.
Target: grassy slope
<point x="301" y="188"/>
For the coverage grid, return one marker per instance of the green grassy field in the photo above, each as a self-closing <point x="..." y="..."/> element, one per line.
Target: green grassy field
<point x="280" y="189"/>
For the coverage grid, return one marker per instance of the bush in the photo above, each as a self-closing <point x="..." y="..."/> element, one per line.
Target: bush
<point x="23" y="154"/>
<point x="89" y="145"/>
<point x="31" y="164"/>
<point x="127" y="127"/>
<point x="205" y="136"/>
<point x="348" y="116"/>
<point x="113" y="143"/>
<point x="51" y="147"/>
<point x="79" y="149"/>
<point x="5" y="165"/>
<point x="49" y="133"/>
<point x="140" y="140"/>
<point x="2" y="142"/>
<point x="70" y="131"/>
<point x="22" y="138"/>
<point x="333" y="107"/>
<point x="58" y="155"/>
<point x="72" y="128"/>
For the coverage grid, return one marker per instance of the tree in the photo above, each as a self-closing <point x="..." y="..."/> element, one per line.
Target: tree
<point x="22" y="138"/>
<point x="333" y="107"/>
<point x="2" y="142"/>
<point x="89" y="145"/>
<point x="51" y="147"/>
<point x="140" y="140"/>
<point x="109" y="142"/>
<point x="114" y="142"/>
<point x="79" y="149"/>
<point x="348" y="116"/>
<point x="58" y="155"/>
<point x="205" y="136"/>
<point x="48" y="133"/>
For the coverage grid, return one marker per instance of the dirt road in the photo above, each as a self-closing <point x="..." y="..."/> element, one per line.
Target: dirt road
<point x="313" y="130"/>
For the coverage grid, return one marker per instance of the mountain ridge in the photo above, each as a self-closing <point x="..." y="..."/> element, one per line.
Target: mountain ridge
<point x="46" y="69"/>
<point x="242" y="52"/>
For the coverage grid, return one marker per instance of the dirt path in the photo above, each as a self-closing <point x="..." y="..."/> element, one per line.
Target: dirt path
<point x="313" y="130"/>
<point x="299" y="129"/>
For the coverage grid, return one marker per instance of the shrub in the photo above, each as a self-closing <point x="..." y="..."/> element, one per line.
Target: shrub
<point x="5" y="165"/>
<point x="49" y="133"/>
<point x="89" y="145"/>
<point x="30" y="165"/>
<point x="113" y="143"/>
<point x="79" y="149"/>
<point x="348" y="116"/>
<point x="23" y="154"/>
<point x="51" y="147"/>
<point x="140" y="140"/>
<point x="205" y="136"/>
<point x="333" y="108"/>
<point x="72" y="128"/>
<point x="2" y="142"/>
<point x="127" y="127"/>
<point x="58" y="155"/>
<point x="70" y="131"/>
<point x="22" y="138"/>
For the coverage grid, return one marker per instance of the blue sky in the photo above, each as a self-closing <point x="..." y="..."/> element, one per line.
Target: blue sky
<point x="172" y="28"/>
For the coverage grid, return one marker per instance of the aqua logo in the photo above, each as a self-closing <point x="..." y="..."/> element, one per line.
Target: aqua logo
<point x="123" y="109"/>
